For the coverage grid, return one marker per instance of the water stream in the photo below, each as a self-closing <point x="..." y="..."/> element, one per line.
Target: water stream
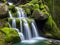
<point x="25" y="32"/>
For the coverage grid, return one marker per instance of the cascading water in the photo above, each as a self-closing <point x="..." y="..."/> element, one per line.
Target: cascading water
<point x="13" y="23"/>
<point x="25" y="32"/>
<point x="14" y="26"/>
<point x="34" y="29"/>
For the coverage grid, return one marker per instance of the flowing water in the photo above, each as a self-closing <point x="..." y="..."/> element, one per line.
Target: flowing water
<point x="25" y="32"/>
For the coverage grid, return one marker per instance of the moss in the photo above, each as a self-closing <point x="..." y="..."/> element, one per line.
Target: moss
<point x="18" y="23"/>
<point x="11" y="35"/>
<point x="52" y="27"/>
<point x="6" y="24"/>
<point x="36" y="6"/>
<point x="28" y="11"/>
<point x="41" y="6"/>
<point x="10" y="21"/>
<point x="34" y="1"/>
<point x="39" y="15"/>
<point x="13" y="10"/>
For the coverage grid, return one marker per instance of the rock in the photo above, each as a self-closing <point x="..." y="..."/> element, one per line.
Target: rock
<point x="3" y="10"/>
<point x="9" y="35"/>
<point x="49" y="27"/>
<point x="39" y="15"/>
<point x="3" y="23"/>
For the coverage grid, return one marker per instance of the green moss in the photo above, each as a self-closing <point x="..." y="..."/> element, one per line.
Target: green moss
<point x="39" y="10"/>
<point x="52" y="27"/>
<point x="18" y="23"/>
<point x="34" y="1"/>
<point x="10" y="21"/>
<point x="13" y="10"/>
<point x="28" y="11"/>
<point x="41" y="6"/>
<point x="11" y="35"/>
<point x="36" y="6"/>
<point x="6" y="25"/>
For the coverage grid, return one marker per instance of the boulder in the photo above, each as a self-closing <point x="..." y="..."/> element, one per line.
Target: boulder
<point x="39" y="15"/>
<point x="3" y="10"/>
<point x="9" y="35"/>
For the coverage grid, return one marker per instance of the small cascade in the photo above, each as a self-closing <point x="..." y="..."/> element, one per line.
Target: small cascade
<point x="25" y="31"/>
<point x="20" y="34"/>
<point x="10" y="15"/>
<point x="13" y="23"/>
<point x="34" y="29"/>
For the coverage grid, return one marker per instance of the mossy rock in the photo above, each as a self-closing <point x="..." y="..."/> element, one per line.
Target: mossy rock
<point x="34" y="5"/>
<point x="10" y="21"/>
<point x="18" y="23"/>
<point x="9" y="35"/>
<point x="13" y="10"/>
<point x="3" y="10"/>
<point x="39" y="15"/>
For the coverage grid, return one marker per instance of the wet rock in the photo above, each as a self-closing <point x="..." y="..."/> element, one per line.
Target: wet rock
<point x="3" y="10"/>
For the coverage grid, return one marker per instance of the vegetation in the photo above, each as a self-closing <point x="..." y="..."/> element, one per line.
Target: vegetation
<point x="9" y="35"/>
<point x="13" y="10"/>
<point x="39" y="10"/>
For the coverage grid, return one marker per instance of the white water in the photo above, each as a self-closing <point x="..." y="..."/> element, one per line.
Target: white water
<point x="34" y="29"/>
<point x="25" y="31"/>
<point x="10" y="15"/>
<point x="13" y="23"/>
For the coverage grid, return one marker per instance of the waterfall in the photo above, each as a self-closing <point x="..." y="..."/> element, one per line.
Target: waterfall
<point x="13" y="23"/>
<point x="26" y="32"/>
<point x="34" y="29"/>
<point x="10" y="15"/>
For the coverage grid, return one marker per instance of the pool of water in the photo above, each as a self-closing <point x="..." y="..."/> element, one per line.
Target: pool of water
<point x="35" y="41"/>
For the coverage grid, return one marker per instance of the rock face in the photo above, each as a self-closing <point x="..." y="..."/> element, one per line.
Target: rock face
<point x="9" y="35"/>
<point x="3" y="10"/>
